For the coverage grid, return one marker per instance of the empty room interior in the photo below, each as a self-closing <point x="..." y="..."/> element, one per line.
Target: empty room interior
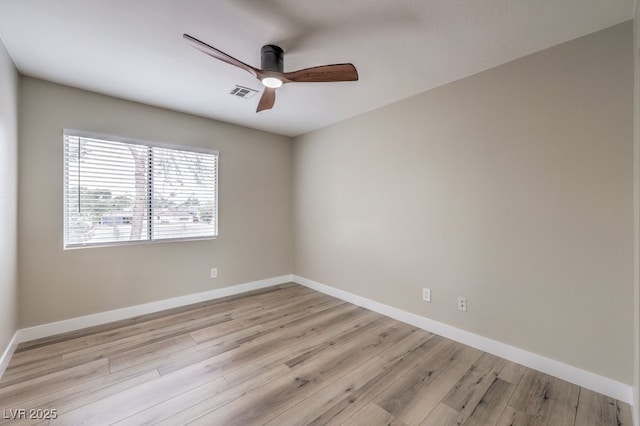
<point x="342" y="212"/>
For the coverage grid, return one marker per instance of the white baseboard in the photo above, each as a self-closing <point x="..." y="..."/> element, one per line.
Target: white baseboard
<point x="73" y="324"/>
<point x="8" y="352"/>
<point x="546" y="365"/>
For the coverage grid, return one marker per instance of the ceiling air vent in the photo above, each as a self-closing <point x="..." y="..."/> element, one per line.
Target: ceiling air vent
<point x="243" y="92"/>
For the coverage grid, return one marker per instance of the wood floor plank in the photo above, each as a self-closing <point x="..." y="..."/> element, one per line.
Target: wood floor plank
<point x="405" y="349"/>
<point x="485" y="411"/>
<point x="259" y="347"/>
<point x="276" y="397"/>
<point x="142" y="396"/>
<point x="17" y="394"/>
<point x="302" y="349"/>
<point x="470" y="399"/>
<point x="276" y="337"/>
<point x="207" y="405"/>
<point x="492" y="404"/>
<point x="267" y="319"/>
<point x="262" y="404"/>
<point x="396" y="366"/>
<point x="311" y="408"/>
<point x="419" y="391"/>
<point x="42" y="368"/>
<point x="145" y="353"/>
<point x="443" y="415"/>
<point x="374" y="415"/>
<point x="127" y="340"/>
<point x="80" y="400"/>
<point x="594" y="409"/>
<point x="513" y="417"/>
<point x="284" y="355"/>
<point x="67" y="398"/>
<point x="23" y="421"/>
<point x="288" y="309"/>
<point x="352" y="329"/>
<point x="205" y="350"/>
<point x="512" y="372"/>
<point x="471" y="388"/>
<point x="117" y="338"/>
<point x="215" y="331"/>
<point x="540" y="398"/>
<point x="305" y="324"/>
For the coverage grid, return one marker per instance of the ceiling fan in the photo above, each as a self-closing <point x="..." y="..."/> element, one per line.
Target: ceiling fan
<point x="272" y="75"/>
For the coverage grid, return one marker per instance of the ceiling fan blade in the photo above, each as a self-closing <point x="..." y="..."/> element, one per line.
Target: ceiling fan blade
<point x="218" y="54"/>
<point x="323" y="73"/>
<point x="267" y="99"/>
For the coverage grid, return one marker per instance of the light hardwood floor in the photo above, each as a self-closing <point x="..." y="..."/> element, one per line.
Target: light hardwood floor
<point x="285" y="355"/>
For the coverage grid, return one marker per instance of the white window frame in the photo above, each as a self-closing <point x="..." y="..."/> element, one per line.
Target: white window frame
<point x="139" y="142"/>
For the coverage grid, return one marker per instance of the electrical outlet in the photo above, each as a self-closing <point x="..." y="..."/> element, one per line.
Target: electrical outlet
<point x="214" y="272"/>
<point x="462" y="304"/>
<point x="426" y="294"/>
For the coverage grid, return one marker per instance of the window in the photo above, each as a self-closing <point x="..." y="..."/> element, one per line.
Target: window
<point x="118" y="191"/>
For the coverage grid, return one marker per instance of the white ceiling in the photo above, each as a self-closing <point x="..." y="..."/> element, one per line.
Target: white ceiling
<point x="135" y="50"/>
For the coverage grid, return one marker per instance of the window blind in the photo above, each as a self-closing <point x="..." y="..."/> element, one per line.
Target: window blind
<point x="118" y="192"/>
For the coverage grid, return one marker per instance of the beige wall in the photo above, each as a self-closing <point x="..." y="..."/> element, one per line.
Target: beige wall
<point x="8" y="198"/>
<point x="255" y="239"/>
<point x="512" y="188"/>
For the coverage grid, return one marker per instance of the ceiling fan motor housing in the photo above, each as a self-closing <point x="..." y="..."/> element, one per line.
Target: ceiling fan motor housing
<point x="271" y="58"/>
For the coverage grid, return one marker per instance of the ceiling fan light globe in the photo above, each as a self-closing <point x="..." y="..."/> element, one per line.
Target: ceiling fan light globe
<point x="271" y="82"/>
